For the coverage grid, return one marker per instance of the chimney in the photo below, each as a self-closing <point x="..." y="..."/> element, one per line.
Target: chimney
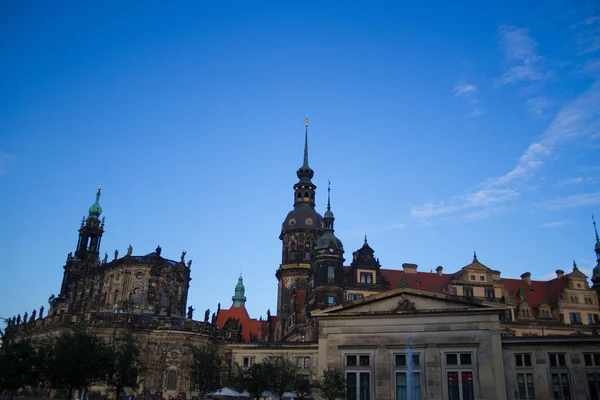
<point x="527" y="277"/>
<point x="439" y="270"/>
<point x="559" y="273"/>
<point x="409" y="268"/>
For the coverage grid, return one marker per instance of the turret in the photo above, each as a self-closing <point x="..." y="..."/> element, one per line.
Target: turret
<point x="90" y="233"/>
<point x="239" y="300"/>
<point x="326" y="275"/>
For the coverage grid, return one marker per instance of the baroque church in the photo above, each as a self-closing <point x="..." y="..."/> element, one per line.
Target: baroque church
<point x="395" y="333"/>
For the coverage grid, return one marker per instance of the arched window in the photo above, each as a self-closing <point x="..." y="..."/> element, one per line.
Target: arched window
<point x="299" y="195"/>
<point x="330" y="274"/>
<point x="172" y="380"/>
<point x="117" y="297"/>
<point x="164" y="300"/>
<point x="306" y="194"/>
<point x="137" y="296"/>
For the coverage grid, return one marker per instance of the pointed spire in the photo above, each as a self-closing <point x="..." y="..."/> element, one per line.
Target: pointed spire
<point x="595" y="229"/>
<point x="239" y="299"/>
<point x="329" y="196"/>
<point x="305" y="165"/>
<point x="366" y="238"/>
<point x="475" y="256"/>
<point x="574" y="266"/>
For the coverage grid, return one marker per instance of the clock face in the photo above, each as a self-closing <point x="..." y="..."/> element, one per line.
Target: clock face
<point x="289" y="283"/>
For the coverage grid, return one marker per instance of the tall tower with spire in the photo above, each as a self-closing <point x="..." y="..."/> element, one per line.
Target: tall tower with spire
<point x="299" y="233"/>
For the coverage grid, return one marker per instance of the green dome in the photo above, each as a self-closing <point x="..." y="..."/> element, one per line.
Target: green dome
<point x="95" y="210"/>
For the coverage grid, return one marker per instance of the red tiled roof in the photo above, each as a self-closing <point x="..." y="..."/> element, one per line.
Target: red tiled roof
<point x="249" y="326"/>
<point x="428" y="281"/>
<point x="539" y="292"/>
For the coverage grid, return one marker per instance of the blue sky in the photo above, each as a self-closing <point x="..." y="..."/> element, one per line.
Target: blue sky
<point x="444" y="128"/>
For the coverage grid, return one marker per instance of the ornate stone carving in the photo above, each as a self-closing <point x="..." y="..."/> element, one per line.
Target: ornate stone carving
<point x="405" y="305"/>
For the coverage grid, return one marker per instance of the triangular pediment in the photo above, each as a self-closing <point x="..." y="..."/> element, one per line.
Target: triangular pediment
<point x="405" y="300"/>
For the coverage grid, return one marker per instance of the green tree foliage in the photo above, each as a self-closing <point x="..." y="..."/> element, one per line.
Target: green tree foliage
<point x="77" y="359"/>
<point x="124" y="365"/>
<point x="255" y="379"/>
<point x="282" y="375"/>
<point x="331" y="385"/>
<point x="205" y="369"/>
<point x="18" y="362"/>
<point x="302" y="387"/>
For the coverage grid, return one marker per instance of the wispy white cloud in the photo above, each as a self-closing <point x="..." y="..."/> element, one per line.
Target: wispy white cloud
<point x="5" y="160"/>
<point x="538" y="105"/>
<point x="556" y="224"/>
<point x="572" y="201"/>
<point x="552" y="275"/>
<point x="520" y="56"/>
<point x="588" y="34"/>
<point x="469" y="93"/>
<point x="579" y="119"/>
<point x="578" y="180"/>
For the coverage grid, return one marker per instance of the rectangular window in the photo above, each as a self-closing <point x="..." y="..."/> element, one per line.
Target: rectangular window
<point x="458" y="359"/>
<point x="364" y="360"/>
<point x="557" y="360"/>
<point x="525" y="385"/>
<point x="460" y="385"/>
<point x="248" y="361"/>
<point x="350" y="361"/>
<point x="468" y="292"/>
<point x="592" y="359"/>
<point x="298" y="362"/>
<point x="575" y="318"/>
<point x="590" y="319"/>
<point x="593" y="381"/>
<point x="358" y="386"/>
<point x="472" y="277"/>
<point x="523" y="360"/>
<point x="306" y="362"/>
<point x="330" y="300"/>
<point x="366" y="277"/>
<point x="482" y="278"/>
<point x="561" y="389"/>
<point x="408" y="389"/>
<point x="490" y="294"/>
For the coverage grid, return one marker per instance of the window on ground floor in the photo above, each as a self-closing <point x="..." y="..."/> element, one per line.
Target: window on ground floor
<point x="358" y="385"/>
<point x="526" y="386"/>
<point x="460" y="385"/>
<point x="593" y="382"/>
<point x="561" y="390"/>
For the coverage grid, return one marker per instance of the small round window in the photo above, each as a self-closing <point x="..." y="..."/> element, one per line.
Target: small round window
<point x="292" y="222"/>
<point x="139" y="275"/>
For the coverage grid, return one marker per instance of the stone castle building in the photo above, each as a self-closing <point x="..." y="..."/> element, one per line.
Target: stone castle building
<point x="396" y="333"/>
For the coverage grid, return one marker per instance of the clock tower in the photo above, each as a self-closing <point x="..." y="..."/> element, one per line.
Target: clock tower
<point x="299" y="233"/>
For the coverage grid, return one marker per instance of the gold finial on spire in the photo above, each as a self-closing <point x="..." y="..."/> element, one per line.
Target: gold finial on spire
<point x="306" y="122"/>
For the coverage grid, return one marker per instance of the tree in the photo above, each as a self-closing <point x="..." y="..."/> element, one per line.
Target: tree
<point x="331" y="385"/>
<point x="205" y="369"/>
<point x="256" y="379"/>
<point x="76" y="360"/>
<point x="18" y="362"/>
<point x="125" y="365"/>
<point x="283" y="375"/>
<point x="303" y="387"/>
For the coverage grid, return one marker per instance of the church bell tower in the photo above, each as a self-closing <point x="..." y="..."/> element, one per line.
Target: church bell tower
<point x="299" y="233"/>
